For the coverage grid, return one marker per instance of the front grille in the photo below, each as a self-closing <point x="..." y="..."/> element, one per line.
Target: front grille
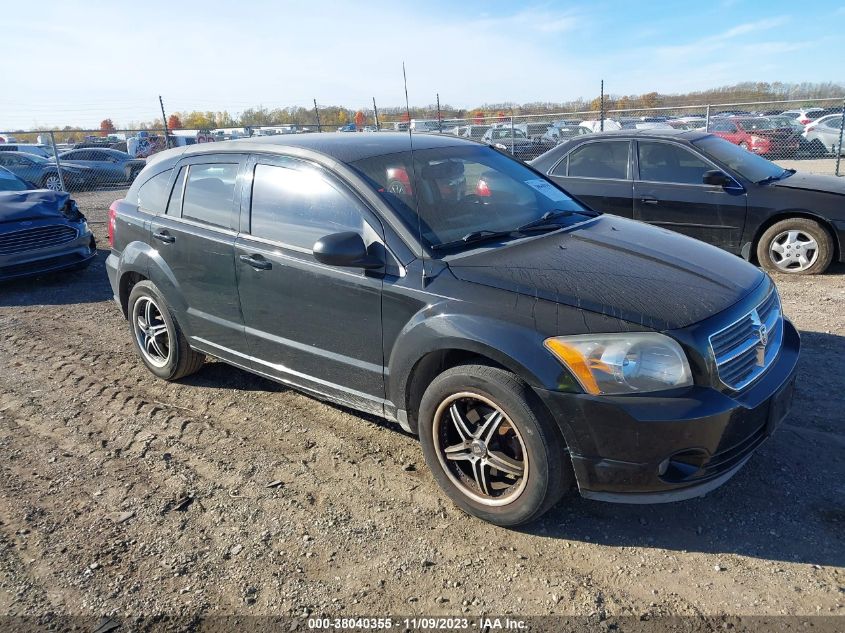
<point x="745" y="349"/>
<point x="32" y="239"/>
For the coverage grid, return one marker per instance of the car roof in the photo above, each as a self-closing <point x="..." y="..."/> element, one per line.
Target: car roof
<point x="343" y="147"/>
<point x="686" y="135"/>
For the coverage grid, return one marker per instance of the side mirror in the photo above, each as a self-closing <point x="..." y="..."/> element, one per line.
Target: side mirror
<point x="716" y="177"/>
<point x="345" y="249"/>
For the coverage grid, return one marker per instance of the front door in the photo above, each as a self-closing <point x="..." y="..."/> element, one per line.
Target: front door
<point x="195" y="238"/>
<point x="669" y="191"/>
<point x="316" y="326"/>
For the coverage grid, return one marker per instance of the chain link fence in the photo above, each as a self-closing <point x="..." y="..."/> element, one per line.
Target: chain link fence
<point x="806" y="135"/>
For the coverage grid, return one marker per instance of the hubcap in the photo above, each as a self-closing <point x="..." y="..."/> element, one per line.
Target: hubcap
<point x="794" y="251"/>
<point x="151" y="332"/>
<point x="480" y="449"/>
<point x="53" y="183"/>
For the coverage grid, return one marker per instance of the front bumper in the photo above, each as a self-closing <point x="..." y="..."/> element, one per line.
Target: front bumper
<point x="69" y="255"/>
<point x="655" y="448"/>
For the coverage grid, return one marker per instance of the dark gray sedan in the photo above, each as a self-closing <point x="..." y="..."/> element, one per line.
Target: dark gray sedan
<point x="108" y="166"/>
<point x="43" y="173"/>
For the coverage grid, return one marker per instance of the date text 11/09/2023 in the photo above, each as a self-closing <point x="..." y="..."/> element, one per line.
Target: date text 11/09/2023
<point x="418" y="623"/>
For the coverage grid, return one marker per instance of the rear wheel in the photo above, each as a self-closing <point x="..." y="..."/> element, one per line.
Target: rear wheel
<point x="491" y="446"/>
<point x="157" y="337"/>
<point x="796" y="246"/>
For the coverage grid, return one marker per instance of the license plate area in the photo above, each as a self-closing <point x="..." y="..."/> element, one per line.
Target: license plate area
<point x="780" y="406"/>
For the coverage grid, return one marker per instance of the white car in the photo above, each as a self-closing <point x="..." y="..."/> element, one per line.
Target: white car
<point x="804" y="115"/>
<point x="824" y="132"/>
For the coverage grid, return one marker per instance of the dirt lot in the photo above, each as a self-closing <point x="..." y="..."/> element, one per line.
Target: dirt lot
<point x="98" y="458"/>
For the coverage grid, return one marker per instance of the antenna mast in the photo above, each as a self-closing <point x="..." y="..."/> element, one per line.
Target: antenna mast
<point x="414" y="173"/>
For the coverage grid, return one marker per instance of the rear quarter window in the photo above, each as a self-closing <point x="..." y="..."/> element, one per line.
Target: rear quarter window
<point x="152" y="195"/>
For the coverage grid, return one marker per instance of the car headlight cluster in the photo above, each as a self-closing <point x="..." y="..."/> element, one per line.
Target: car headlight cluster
<point x="623" y="363"/>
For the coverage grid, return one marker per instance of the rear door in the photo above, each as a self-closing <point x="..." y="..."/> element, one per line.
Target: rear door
<point x="599" y="174"/>
<point x="314" y="325"/>
<point x="195" y="238"/>
<point x="669" y="192"/>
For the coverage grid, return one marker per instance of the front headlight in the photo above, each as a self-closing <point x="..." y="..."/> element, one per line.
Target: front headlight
<point x="623" y="363"/>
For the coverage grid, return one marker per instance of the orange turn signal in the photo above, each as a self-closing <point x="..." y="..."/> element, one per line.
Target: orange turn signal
<point x="575" y="361"/>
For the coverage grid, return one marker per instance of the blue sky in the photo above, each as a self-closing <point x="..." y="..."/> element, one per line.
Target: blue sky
<point x="78" y="62"/>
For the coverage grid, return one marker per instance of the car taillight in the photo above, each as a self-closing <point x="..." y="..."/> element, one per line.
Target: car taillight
<point x="803" y="120"/>
<point x="112" y="221"/>
<point x="482" y="189"/>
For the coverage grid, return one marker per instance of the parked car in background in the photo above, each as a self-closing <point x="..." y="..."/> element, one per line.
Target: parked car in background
<point x="516" y="142"/>
<point x="11" y="182"/>
<point x="44" y="173"/>
<point x="107" y="166"/>
<point x="530" y="342"/>
<point x="474" y="131"/>
<point x="688" y="124"/>
<point x="559" y="133"/>
<point x="804" y="115"/>
<point x="349" y="127"/>
<point x="823" y="135"/>
<point x="708" y="188"/>
<point x="640" y="124"/>
<point x="29" y="148"/>
<point x="40" y="232"/>
<point x="533" y="130"/>
<point x="757" y="134"/>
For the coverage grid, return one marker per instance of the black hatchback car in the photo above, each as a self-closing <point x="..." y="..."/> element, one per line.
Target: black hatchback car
<point x="529" y="341"/>
<point x="708" y="188"/>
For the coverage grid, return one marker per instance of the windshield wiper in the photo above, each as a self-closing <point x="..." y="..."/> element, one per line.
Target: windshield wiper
<point x="544" y="221"/>
<point x="786" y="173"/>
<point x="475" y="236"/>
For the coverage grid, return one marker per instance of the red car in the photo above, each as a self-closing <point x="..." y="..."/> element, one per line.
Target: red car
<point x="757" y="134"/>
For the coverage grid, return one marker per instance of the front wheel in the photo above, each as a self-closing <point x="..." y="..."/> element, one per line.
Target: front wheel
<point x="796" y="246"/>
<point x="491" y="446"/>
<point x="157" y="337"/>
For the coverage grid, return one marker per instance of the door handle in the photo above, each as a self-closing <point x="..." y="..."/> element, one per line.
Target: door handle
<point x="649" y="200"/>
<point x="256" y="261"/>
<point x="164" y="237"/>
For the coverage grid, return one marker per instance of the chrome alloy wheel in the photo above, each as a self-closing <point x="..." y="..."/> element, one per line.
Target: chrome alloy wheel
<point x="793" y="251"/>
<point x="151" y="332"/>
<point x="480" y="449"/>
<point x="53" y="183"/>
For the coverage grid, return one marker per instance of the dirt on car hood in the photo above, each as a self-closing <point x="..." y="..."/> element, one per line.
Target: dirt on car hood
<point x="618" y="267"/>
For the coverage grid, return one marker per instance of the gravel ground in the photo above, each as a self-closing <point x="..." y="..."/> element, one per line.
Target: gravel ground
<point x="225" y="493"/>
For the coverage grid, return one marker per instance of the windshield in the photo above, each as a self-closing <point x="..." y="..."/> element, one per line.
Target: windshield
<point x="758" y="124"/>
<point x="748" y="165"/>
<point x="36" y="158"/>
<point x="461" y="190"/>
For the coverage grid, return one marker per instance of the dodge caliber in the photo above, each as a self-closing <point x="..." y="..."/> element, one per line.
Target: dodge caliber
<point x="531" y="343"/>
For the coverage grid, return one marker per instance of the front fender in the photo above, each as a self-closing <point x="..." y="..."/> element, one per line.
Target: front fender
<point x="517" y="347"/>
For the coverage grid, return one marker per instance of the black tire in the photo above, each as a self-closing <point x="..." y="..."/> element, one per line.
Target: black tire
<point x="548" y="473"/>
<point x="820" y="260"/>
<point x="181" y="360"/>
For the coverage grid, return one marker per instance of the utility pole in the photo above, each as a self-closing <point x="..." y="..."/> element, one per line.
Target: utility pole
<point x="375" y="112"/>
<point x="439" y="120"/>
<point x="164" y="120"/>
<point x="317" y="113"/>
<point x="601" y="107"/>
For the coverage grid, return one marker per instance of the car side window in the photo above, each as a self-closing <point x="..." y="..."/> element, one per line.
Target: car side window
<point x="298" y="205"/>
<point x="210" y="192"/>
<point x="174" y="206"/>
<point x="606" y="159"/>
<point x="833" y="124"/>
<point x="666" y="162"/>
<point x="152" y="195"/>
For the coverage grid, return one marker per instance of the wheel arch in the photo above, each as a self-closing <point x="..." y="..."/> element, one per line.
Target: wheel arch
<point x="788" y="215"/>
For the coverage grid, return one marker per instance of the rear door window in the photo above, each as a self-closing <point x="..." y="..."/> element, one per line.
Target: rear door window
<point x="606" y="159"/>
<point x="209" y="194"/>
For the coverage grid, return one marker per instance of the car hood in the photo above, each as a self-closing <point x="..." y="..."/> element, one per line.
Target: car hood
<point x="35" y="204"/>
<point x="620" y="268"/>
<point x="813" y="182"/>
